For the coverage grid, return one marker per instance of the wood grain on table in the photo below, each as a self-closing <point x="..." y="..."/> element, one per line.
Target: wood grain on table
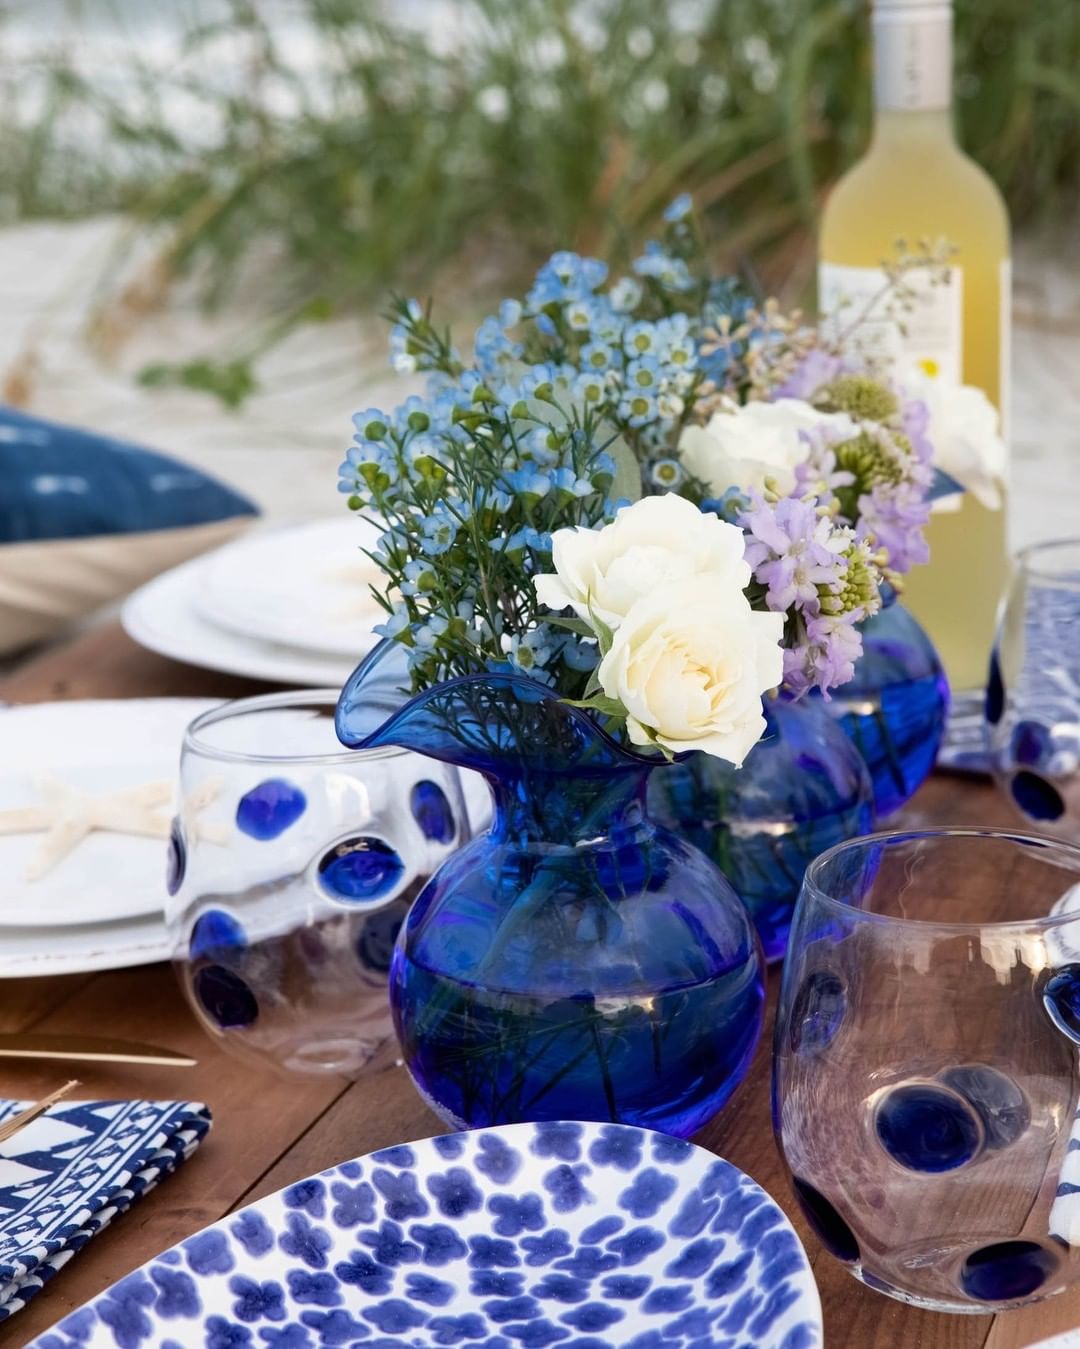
<point x="270" y="1131"/>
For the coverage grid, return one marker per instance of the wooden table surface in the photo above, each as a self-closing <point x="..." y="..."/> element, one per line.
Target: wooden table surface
<point x="269" y="1132"/>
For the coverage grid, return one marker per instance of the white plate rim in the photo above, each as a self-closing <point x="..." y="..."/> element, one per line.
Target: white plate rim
<point x="222" y="651"/>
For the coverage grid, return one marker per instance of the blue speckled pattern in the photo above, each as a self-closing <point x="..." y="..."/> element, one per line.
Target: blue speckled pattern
<point x="584" y="1236"/>
<point x="67" y="1175"/>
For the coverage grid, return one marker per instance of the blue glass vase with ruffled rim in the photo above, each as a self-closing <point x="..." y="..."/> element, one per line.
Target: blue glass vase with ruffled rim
<point x="576" y="961"/>
<point x="895" y="707"/>
<point x="800" y="790"/>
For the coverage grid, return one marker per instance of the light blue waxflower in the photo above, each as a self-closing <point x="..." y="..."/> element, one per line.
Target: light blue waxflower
<point x="580" y="655"/>
<point x="439" y="533"/>
<point x="565" y="276"/>
<point x="636" y="409"/>
<point x="427" y="634"/>
<point x="667" y="474"/>
<point x="566" y="480"/>
<point x="596" y="356"/>
<point x="492" y="349"/>
<point x="641" y="338"/>
<point x="372" y="424"/>
<point x="590" y="388"/>
<point x="527" y="482"/>
<point x="394" y="625"/>
<point x="579" y="315"/>
<point x="510" y="313"/>
<point x="669" y="272"/>
<point x="679" y="209"/>
<point x="643" y="374"/>
<point x="625" y="295"/>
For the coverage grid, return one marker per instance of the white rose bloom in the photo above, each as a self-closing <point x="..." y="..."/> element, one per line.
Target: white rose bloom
<point x="964" y="431"/>
<point x="656" y="540"/>
<point x="690" y="663"/>
<point x="741" y="446"/>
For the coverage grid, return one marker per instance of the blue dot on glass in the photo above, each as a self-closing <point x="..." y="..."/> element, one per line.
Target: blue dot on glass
<point x="1037" y="798"/>
<point x="832" y="1231"/>
<point x="269" y="809"/>
<point x="175" y="858"/>
<point x="431" y="811"/>
<point x="360" y="870"/>
<point x="1032" y="743"/>
<point x="817" y="1012"/>
<point x="927" y="1128"/>
<point x="995" y="691"/>
<point x="1006" y="1270"/>
<point x="225" y="998"/>
<point x="998" y="1101"/>
<point x="1061" y="998"/>
<point x="215" y="935"/>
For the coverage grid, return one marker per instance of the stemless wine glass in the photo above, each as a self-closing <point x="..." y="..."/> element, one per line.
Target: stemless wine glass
<point x="292" y="863"/>
<point x="1033" y="693"/>
<point x="926" y="1081"/>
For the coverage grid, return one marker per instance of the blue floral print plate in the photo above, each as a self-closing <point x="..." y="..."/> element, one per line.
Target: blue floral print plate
<point x="585" y="1236"/>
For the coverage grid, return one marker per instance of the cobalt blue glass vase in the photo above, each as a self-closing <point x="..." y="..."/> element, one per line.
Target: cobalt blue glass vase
<point x="894" y="708"/>
<point x="801" y="789"/>
<point x="575" y="962"/>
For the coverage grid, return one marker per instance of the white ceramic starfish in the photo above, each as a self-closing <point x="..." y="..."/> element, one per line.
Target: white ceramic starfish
<point x="67" y="816"/>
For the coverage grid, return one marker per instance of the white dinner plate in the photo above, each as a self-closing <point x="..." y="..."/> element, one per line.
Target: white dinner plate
<point x="306" y="586"/>
<point x="161" y="616"/>
<point x="28" y="952"/>
<point x="98" y="748"/>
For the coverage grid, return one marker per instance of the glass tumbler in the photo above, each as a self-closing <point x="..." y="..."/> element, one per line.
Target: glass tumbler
<point x="926" y="1082"/>
<point x="292" y="864"/>
<point x="1033" y="692"/>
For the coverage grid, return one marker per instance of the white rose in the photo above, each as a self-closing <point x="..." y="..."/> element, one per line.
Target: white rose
<point x="690" y="663"/>
<point x="742" y="446"/>
<point x="657" y="539"/>
<point x="963" y="429"/>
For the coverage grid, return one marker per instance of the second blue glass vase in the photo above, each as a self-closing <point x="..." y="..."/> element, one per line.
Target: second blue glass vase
<point x="894" y="709"/>
<point x="802" y="788"/>
<point x="576" y="962"/>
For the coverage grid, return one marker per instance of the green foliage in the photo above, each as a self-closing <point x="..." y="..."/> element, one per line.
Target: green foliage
<point x="393" y="157"/>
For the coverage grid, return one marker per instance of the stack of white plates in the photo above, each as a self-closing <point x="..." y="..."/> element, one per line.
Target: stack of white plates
<point x="101" y="906"/>
<point x="290" y="605"/>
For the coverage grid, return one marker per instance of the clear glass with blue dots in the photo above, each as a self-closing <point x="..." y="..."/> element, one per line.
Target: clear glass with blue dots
<point x="1033" y="690"/>
<point x="926" y="1081"/>
<point x="290" y="867"/>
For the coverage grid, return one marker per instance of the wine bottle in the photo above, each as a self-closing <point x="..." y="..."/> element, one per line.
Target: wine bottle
<point x="915" y="183"/>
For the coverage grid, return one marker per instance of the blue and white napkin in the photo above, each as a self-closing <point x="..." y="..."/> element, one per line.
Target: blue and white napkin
<point x="66" y="1176"/>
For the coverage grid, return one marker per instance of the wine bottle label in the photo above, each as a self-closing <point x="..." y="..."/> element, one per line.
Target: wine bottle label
<point x="913" y="56"/>
<point x="862" y="312"/>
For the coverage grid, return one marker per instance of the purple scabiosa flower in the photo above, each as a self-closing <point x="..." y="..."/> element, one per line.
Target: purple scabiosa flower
<point x="894" y="516"/>
<point x="793" y="550"/>
<point x="816" y="369"/>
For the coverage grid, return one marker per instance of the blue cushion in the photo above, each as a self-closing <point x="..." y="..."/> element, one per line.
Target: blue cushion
<point x="58" y="482"/>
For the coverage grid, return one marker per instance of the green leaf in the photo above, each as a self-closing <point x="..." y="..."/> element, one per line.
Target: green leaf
<point x="599" y="702"/>
<point x="575" y="625"/>
<point x="604" y="634"/>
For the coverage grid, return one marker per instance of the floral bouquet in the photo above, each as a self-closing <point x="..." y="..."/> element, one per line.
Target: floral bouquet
<point x="632" y="510"/>
<point x="648" y="494"/>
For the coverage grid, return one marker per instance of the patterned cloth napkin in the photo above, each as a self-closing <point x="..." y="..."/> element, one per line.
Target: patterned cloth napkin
<point x="66" y="1176"/>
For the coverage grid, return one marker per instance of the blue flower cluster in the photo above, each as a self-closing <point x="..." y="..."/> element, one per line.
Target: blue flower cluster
<point x="468" y="483"/>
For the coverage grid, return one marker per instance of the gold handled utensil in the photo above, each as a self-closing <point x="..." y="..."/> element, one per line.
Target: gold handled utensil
<point x="12" y="1126"/>
<point x="88" y="1049"/>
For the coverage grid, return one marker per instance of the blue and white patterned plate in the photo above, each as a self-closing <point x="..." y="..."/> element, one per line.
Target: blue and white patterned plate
<point x="585" y="1236"/>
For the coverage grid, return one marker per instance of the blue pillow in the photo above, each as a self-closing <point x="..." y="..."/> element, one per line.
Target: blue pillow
<point x="84" y="519"/>
<point x="58" y="482"/>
